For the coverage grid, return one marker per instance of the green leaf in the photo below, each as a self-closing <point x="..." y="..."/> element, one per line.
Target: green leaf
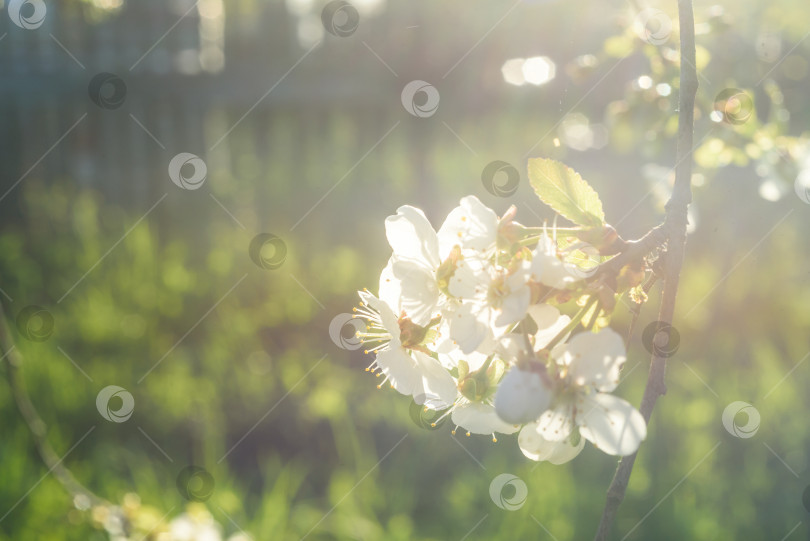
<point x="561" y="188"/>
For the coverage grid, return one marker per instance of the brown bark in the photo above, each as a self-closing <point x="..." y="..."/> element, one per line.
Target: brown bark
<point x="674" y="228"/>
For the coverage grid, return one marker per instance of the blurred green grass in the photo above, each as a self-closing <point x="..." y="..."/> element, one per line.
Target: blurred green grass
<point x="312" y="465"/>
<point x="318" y="448"/>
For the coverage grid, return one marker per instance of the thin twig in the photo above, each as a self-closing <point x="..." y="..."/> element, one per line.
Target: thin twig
<point x="636" y="310"/>
<point x="634" y="250"/>
<point x="36" y="425"/>
<point x="674" y="227"/>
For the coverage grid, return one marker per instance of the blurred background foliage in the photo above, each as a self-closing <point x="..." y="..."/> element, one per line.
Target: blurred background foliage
<point x="249" y="384"/>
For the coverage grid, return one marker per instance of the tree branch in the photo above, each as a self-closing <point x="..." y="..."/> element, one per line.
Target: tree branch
<point x="674" y="227"/>
<point x="37" y="427"/>
<point x="634" y="250"/>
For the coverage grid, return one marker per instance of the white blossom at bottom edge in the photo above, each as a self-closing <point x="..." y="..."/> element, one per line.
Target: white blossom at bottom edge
<point x="480" y="418"/>
<point x="536" y="447"/>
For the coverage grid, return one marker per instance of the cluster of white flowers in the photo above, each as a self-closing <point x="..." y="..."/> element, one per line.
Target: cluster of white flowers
<point x="465" y="322"/>
<point x="134" y="521"/>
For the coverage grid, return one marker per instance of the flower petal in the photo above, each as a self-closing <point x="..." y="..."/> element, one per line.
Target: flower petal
<point x="613" y="425"/>
<point x="468" y="328"/>
<point x="450" y="354"/>
<point x="390" y="288"/>
<point x="556" y="424"/>
<point x="419" y="292"/>
<point x="551" y="272"/>
<point x="389" y="320"/>
<point x="549" y="323"/>
<point x="437" y="383"/>
<point x="521" y="396"/>
<point x="547" y="268"/>
<point x="536" y="447"/>
<point x="472" y="225"/>
<point x="412" y="237"/>
<point x="544" y="315"/>
<point x="478" y="418"/>
<point x="595" y="359"/>
<point x="511" y="346"/>
<point x="401" y="370"/>
<point x="513" y="307"/>
<point x="470" y="279"/>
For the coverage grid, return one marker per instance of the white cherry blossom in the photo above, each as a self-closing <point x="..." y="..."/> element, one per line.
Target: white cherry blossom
<point x="480" y="418"/>
<point x="472" y="408"/>
<point x="405" y="366"/>
<point x="526" y="392"/>
<point x="500" y="300"/>
<point x="414" y="263"/>
<point x="589" y="366"/>
<point x="429" y="266"/>
<point x="446" y="329"/>
<point x="522" y="395"/>
<point x="547" y="268"/>
<point x="536" y="447"/>
<point x="472" y="225"/>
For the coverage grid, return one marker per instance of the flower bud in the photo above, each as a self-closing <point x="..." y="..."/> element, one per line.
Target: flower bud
<point x="630" y="276"/>
<point x="480" y="384"/>
<point x="522" y="396"/>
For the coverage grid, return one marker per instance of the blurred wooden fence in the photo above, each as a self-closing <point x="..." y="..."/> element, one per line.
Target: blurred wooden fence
<point x="169" y="93"/>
